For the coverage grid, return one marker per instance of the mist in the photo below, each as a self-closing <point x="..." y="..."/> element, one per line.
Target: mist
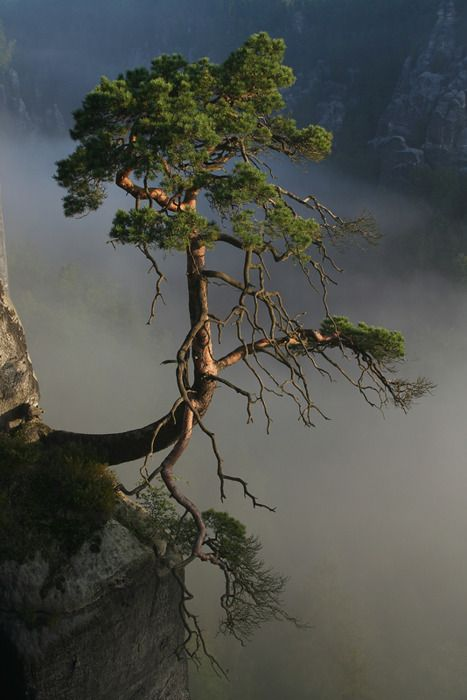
<point x="371" y="514"/>
<point x="371" y="509"/>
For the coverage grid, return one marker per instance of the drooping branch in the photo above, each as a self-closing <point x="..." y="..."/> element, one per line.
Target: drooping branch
<point x="167" y="468"/>
<point x="143" y="247"/>
<point x="335" y="226"/>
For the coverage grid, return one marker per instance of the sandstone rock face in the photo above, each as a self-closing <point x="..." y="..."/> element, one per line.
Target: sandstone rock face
<point x="104" y="626"/>
<point x="328" y="99"/>
<point x="19" y="391"/>
<point x="25" y="111"/>
<point x="12" y="105"/>
<point x="426" y="120"/>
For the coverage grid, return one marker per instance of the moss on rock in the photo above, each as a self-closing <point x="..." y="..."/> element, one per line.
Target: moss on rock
<point x="50" y="501"/>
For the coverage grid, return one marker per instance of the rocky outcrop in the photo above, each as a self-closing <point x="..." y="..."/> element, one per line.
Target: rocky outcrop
<point x="26" y="111"/>
<point x="327" y="100"/>
<point x="105" y="625"/>
<point x="3" y="257"/>
<point x="19" y="390"/>
<point x="426" y="120"/>
<point x="12" y="105"/>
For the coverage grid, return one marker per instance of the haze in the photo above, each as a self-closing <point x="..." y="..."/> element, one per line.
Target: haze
<point x="372" y="518"/>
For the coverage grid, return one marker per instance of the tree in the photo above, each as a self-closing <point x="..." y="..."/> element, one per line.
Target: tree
<point x="173" y="136"/>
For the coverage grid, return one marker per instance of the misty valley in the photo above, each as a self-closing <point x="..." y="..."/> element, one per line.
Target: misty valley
<point x="304" y="530"/>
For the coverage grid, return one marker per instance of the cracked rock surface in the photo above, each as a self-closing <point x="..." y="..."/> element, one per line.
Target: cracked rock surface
<point x="19" y="391"/>
<point x="425" y="122"/>
<point x="102" y="626"/>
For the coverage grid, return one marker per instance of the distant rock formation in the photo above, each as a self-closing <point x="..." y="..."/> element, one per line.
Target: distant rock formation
<point x="335" y="99"/>
<point x="425" y="122"/>
<point x="12" y="106"/>
<point x="330" y="99"/>
<point x="26" y="115"/>
<point x="104" y="625"/>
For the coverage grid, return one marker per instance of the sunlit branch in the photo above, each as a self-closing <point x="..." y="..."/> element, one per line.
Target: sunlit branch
<point x="157" y="194"/>
<point x="244" y="350"/>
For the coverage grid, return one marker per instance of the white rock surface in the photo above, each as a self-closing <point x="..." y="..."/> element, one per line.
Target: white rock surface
<point x="103" y="626"/>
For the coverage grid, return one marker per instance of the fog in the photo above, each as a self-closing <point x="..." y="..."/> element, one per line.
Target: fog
<point x="371" y="517"/>
<point x="371" y="509"/>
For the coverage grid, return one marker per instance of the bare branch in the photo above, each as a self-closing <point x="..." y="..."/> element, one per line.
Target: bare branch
<point x="160" y="278"/>
<point x="225" y="277"/>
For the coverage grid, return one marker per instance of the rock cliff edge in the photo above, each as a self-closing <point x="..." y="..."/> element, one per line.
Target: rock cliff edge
<point x="104" y="625"/>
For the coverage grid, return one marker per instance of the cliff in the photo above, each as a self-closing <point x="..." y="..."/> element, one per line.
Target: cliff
<point x="425" y="123"/>
<point x="103" y="625"/>
<point x="19" y="391"/>
<point x="96" y="620"/>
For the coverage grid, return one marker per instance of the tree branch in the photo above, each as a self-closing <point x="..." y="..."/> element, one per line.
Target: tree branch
<point x="228" y="279"/>
<point x="243" y="351"/>
<point x="157" y="194"/>
<point x="116" y="448"/>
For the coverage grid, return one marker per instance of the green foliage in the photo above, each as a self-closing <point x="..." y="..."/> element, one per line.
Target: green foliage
<point x="265" y="217"/>
<point x="357" y="43"/>
<point x="244" y="185"/>
<point x="312" y="142"/>
<point x="150" y="227"/>
<point x="253" y="592"/>
<point x="279" y="222"/>
<point x="51" y="501"/>
<point x="180" y="124"/>
<point x="162" y="512"/>
<point x="380" y="343"/>
<point x="85" y="192"/>
<point x="299" y="232"/>
<point x="246" y="228"/>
